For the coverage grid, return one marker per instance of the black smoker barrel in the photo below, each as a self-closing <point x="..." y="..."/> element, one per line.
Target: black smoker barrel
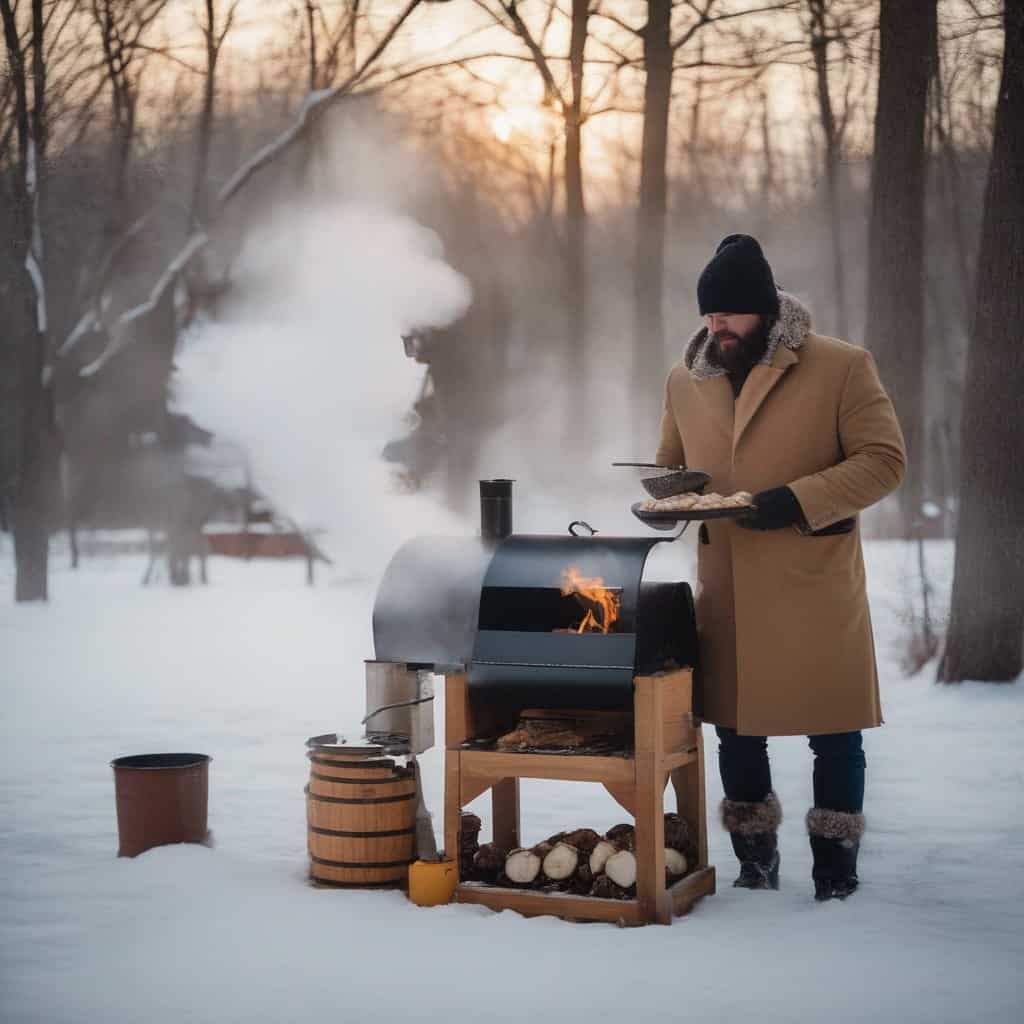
<point x="427" y="603"/>
<point x="529" y="645"/>
<point x="506" y="612"/>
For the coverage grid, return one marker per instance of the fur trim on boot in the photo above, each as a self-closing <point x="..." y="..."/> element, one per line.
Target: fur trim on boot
<point x="749" y="817"/>
<point x="826" y="824"/>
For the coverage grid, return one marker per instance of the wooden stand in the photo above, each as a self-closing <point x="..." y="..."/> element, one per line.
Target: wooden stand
<point x="668" y="747"/>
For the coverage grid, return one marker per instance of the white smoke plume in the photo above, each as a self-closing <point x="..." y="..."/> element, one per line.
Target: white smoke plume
<point x="305" y="371"/>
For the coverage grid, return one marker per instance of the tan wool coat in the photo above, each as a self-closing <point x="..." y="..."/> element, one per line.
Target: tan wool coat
<point x="782" y="615"/>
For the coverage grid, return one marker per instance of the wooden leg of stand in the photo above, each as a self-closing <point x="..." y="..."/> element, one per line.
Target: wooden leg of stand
<point x="452" y="804"/>
<point x="653" y="900"/>
<point x="505" y="813"/>
<point x="688" y="782"/>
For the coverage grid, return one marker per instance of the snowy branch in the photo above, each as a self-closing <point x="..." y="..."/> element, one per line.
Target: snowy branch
<point x="34" y="256"/>
<point x="120" y="332"/>
<point x="263" y="156"/>
<point x="35" y="271"/>
<point x="87" y="323"/>
<point x="314" y="106"/>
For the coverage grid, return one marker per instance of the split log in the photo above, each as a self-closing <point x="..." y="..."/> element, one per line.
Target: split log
<point x="623" y="836"/>
<point x="582" y="839"/>
<point x="522" y="867"/>
<point x="678" y="834"/>
<point x="561" y="862"/>
<point x="675" y="863"/>
<point x="488" y="862"/>
<point x="469" y="828"/>
<point x="599" y="856"/>
<point x="544" y="848"/>
<point x="469" y="842"/>
<point x="558" y="837"/>
<point x="604" y="888"/>
<point x="621" y="868"/>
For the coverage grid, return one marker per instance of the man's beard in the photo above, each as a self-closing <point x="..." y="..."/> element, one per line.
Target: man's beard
<point x="740" y="358"/>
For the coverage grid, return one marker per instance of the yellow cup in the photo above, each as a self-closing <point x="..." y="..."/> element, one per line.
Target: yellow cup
<point x="431" y="883"/>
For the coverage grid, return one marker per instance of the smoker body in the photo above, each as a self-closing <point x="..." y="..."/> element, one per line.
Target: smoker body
<point x="528" y="645"/>
<point x="497" y="610"/>
<point x="526" y="623"/>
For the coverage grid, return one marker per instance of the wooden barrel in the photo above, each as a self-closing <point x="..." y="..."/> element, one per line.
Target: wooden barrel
<point x="361" y="813"/>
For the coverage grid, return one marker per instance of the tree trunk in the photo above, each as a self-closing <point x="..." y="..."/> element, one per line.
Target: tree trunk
<point x="698" y="187"/>
<point x="649" y="268"/>
<point x="311" y="28"/>
<point x="895" y="322"/>
<point x="204" y="130"/>
<point x="819" y="49"/>
<point x="985" y="639"/>
<point x="24" y="319"/>
<point x="33" y="489"/>
<point x="35" y="451"/>
<point x="576" y="247"/>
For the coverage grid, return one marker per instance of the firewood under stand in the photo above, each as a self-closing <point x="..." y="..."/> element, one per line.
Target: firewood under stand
<point x="658" y="864"/>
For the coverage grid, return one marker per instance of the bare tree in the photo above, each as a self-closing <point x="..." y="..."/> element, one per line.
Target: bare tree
<point x="569" y="104"/>
<point x="822" y="34"/>
<point x="895" y="323"/>
<point x="985" y="640"/>
<point x="23" y="301"/>
<point x="127" y="326"/>
<point x="649" y="266"/>
<point x="214" y="34"/>
<point x="122" y="25"/>
<point x="332" y="41"/>
<point x="665" y="41"/>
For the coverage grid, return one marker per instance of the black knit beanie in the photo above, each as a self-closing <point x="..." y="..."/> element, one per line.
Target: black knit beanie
<point x="738" y="280"/>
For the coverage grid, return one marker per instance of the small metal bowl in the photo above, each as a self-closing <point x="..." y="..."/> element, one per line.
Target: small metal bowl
<point x="680" y="481"/>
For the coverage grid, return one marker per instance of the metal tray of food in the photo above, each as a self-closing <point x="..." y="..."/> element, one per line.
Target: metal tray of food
<point x="690" y="515"/>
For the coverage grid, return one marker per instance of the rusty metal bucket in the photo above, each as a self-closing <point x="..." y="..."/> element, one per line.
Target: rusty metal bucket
<point x="161" y="799"/>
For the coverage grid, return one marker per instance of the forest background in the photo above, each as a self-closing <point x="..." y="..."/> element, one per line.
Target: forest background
<point x="169" y="166"/>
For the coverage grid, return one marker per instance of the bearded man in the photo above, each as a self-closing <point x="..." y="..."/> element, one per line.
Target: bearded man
<point x="801" y="421"/>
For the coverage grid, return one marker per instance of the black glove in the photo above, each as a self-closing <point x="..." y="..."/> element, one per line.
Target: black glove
<point x="776" y="508"/>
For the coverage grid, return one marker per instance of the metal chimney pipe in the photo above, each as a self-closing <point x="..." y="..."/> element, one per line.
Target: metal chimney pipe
<point x="495" y="509"/>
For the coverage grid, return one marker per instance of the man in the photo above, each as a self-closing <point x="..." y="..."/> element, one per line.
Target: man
<point x="802" y="422"/>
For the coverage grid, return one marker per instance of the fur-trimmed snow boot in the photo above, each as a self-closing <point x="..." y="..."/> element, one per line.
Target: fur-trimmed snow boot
<point x="835" y="841"/>
<point x="753" y="829"/>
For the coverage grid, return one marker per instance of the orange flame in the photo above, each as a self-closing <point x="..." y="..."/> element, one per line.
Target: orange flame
<point x="595" y="597"/>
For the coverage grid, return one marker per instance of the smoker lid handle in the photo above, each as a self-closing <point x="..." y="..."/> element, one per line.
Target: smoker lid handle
<point x="582" y="522"/>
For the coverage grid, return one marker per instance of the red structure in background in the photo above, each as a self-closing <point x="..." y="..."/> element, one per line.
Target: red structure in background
<point x="257" y="545"/>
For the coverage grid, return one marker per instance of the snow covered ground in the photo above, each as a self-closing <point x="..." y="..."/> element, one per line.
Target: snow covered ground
<point x="247" y="668"/>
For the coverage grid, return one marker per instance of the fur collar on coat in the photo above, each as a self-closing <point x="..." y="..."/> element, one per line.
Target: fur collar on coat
<point x="790" y="329"/>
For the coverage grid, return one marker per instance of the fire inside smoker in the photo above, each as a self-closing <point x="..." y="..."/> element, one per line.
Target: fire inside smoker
<point x="601" y="604"/>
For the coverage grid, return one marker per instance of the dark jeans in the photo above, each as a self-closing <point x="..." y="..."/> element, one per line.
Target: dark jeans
<point x="838" y="768"/>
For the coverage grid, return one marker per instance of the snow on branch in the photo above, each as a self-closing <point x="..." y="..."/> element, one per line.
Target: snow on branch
<point x="313" y="107"/>
<point x="91" y="320"/>
<point x="120" y="332"/>
<point x="34" y="256"/>
<point x="87" y="323"/>
<point x="263" y="156"/>
<point x="36" y="273"/>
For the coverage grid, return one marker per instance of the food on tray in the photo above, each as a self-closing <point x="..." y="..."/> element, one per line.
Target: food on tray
<point x="692" y="502"/>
